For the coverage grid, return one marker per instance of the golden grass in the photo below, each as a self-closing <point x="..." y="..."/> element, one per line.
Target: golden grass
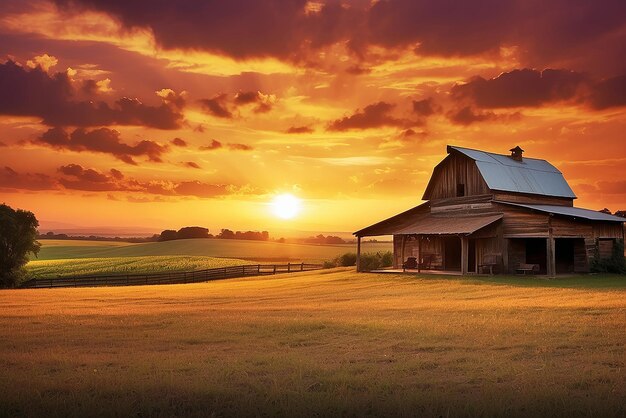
<point x="330" y="343"/>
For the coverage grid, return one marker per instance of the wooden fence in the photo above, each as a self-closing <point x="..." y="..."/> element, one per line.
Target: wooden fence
<point x="170" y="277"/>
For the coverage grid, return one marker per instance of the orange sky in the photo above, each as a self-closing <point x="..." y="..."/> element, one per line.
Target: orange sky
<point x="164" y="114"/>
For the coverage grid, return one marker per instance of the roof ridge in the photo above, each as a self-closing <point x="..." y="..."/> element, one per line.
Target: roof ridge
<point x="500" y="155"/>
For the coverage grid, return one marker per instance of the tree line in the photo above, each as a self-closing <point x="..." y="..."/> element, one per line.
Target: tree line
<point x="200" y="232"/>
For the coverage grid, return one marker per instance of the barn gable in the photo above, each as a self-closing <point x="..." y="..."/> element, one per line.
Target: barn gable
<point x="467" y="172"/>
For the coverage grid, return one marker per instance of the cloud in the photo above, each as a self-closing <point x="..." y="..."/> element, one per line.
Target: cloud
<point x="77" y="177"/>
<point x="44" y="61"/>
<point x="101" y="140"/>
<point x="52" y="97"/>
<point x="467" y="115"/>
<point x="609" y="93"/>
<point x="215" y="144"/>
<point x="300" y="130"/>
<point x="88" y="179"/>
<point x="425" y="107"/>
<point x="589" y="34"/>
<point x="217" y="106"/>
<point x="11" y="179"/>
<point x="521" y="88"/>
<point x="178" y="142"/>
<point x="373" y="116"/>
<point x="191" y="164"/>
<point x="263" y="102"/>
<point x="239" y="147"/>
<point x="199" y="189"/>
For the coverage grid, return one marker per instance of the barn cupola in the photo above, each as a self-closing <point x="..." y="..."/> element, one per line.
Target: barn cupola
<point x="516" y="153"/>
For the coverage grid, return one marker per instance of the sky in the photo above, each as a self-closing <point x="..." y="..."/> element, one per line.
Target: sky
<point x="156" y="114"/>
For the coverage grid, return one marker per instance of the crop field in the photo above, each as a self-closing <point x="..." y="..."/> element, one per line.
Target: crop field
<point x="247" y="250"/>
<point x="45" y="269"/>
<point x="325" y="343"/>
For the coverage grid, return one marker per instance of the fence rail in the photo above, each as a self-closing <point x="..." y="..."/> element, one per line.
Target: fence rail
<point x="195" y="276"/>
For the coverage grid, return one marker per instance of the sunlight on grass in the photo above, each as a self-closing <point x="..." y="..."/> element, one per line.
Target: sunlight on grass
<point x="317" y="343"/>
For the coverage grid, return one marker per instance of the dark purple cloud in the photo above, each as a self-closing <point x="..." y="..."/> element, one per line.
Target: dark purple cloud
<point x="33" y="92"/>
<point x="372" y="116"/>
<point x="545" y="33"/>
<point x="11" y="179"/>
<point x="217" y="106"/>
<point x="521" y="88"/>
<point x="609" y="93"/>
<point x="88" y="179"/>
<point x="101" y="140"/>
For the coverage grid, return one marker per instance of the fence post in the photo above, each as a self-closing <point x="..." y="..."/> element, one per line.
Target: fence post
<point x="288" y="267"/>
<point x="302" y="267"/>
<point x="258" y="269"/>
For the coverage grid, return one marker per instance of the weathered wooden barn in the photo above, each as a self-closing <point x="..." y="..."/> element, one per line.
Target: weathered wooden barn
<point x="503" y="213"/>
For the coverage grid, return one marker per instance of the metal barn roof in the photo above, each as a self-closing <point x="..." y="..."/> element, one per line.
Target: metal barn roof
<point x="581" y="213"/>
<point x="530" y="175"/>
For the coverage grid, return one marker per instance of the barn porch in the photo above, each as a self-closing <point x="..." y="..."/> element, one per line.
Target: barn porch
<point x="446" y="244"/>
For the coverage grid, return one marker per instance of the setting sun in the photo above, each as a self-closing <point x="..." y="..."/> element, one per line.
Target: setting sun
<point x="286" y="206"/>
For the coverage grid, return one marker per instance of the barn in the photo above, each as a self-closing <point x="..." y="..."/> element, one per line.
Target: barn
<point x="497" y="213"/>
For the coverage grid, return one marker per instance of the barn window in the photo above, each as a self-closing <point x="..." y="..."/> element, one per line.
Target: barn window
<point x="460" y="190"/>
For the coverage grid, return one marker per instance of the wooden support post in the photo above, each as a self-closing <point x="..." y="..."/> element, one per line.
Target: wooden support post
<point x="550" y="251"/>
<point x="358" y="254"/>
<point x="551" y="257"/>
<point x="464" y="255"/>
<point x="505" y="255"/>
<point x="419" y="253"/>
<point x="402" y="251"/>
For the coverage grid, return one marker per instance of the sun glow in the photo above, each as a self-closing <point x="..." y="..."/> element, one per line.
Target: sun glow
<point x="286" y="206"/>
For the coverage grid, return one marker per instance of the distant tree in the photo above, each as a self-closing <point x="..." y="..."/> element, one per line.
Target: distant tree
<point x="606" y="210"/>
<point x="18" y="233"/>
<point x="193" y="232"/>
<point x="621" y="213"/>
<point x="168" y="235"/>
<point x="226" y="234"/>
<point x="333" y="240"/>
<point x="265" y="236"/>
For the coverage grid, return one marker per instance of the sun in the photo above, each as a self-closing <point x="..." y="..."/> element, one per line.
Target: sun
<point x="286" y="206"/>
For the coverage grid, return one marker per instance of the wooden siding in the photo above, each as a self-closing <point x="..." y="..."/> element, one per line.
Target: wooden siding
<point x="520" y="222"/>
<point x="455" y="169"/>
<point x="532" y="199"/>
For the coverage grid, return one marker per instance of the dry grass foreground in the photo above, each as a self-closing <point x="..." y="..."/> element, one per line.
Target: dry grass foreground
<point x="332" y="343"/>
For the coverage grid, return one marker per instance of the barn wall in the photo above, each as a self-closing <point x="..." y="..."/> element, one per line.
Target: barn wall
<point x="521" y="222"/>
<point x="456" y="169"/>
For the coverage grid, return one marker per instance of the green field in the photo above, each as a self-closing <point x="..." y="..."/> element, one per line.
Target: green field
<point x="247" y="250"/>
<point x="331" y="343"/>
<point x="44" y="269"/>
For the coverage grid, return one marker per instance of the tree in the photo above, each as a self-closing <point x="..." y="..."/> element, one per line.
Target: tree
<point x="168" y="235"/>
<point x="18" y="233"/>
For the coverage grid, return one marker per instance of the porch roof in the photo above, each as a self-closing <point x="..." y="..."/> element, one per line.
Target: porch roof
<point x="448" y="225"/>
<point x="581" y="213"/>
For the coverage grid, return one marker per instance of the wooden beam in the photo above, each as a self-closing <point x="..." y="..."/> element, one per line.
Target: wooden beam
<point x="358" y="254"/>
<point x="464" y="254"/>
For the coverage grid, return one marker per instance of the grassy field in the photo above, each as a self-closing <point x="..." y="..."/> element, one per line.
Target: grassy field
<point x="332" y="343"/>
<point x="248" y="250"/>
<point x="44" y="269"/>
